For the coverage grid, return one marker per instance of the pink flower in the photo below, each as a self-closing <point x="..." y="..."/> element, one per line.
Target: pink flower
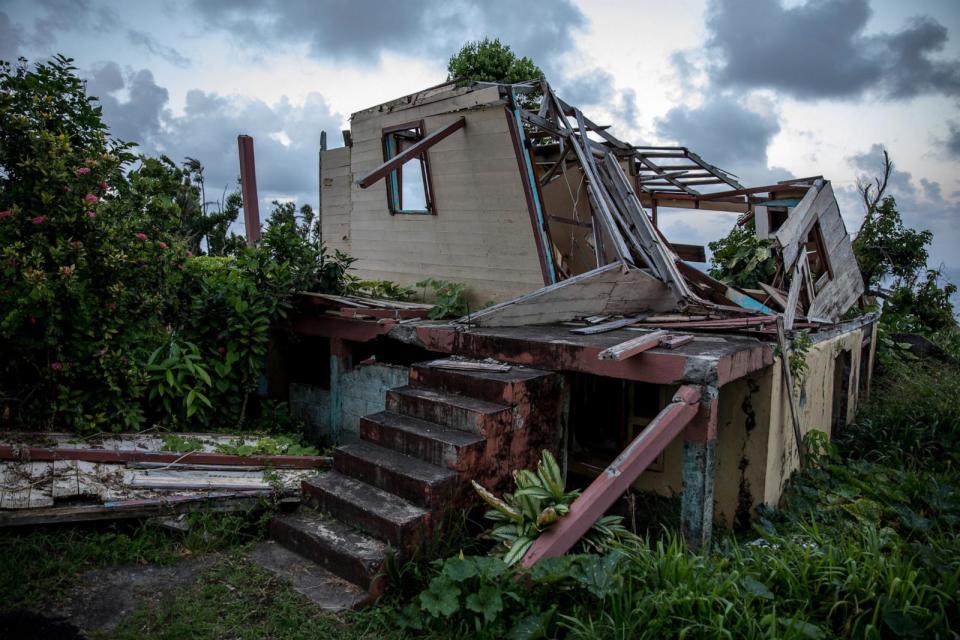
<point x="162" y="245"/>
<point x="66" y="188"/>
<point x="142" y="237"/>
<point x="102" y="185"/>
<point x="56" y="366"/>
<point x="222" y="349"/>
<point x="82" y="171"/>
<point x="189" y="254"/>
<point x="39" y="220"/>
<point x="5" y="214"/>
<point x="91" y="215"/>
<point x="91" y="199"/>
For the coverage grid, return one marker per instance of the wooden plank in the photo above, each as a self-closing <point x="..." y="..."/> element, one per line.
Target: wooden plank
<point x="194" y="481"/>
<point x="121" y="456"/>
<point x="780" y="297"/>
<point x="788" y="384"/>
<point x="617" y="478"/>
<point x="131" y="509"/>
<point x="672" y="342"/>
<point x="633" y="346"/>
<point x="690" y="252"/>
<point x="64" y="479"/>
<point x="469" y="365"/>
<point x="41" y="484"/>
<point x="793" y="298"/>
<point x="410" y="152"/>
<point x="395" y="314"/>
<point x="16" y="486"/>
<point x="608" y="326"/>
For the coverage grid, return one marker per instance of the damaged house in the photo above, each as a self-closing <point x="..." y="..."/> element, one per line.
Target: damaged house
<point x="590" y="332"/>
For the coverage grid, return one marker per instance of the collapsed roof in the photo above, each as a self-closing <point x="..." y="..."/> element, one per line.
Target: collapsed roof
<point x="594" y="200"/>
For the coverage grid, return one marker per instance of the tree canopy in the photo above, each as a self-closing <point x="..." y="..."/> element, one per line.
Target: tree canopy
<point x="491" y="61"/>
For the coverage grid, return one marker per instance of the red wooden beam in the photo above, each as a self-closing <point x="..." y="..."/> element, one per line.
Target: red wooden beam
<point x="617" y="478"/>
<point x="43" y="454"/>
<point x="410" y="152"/>
<point x="633" y="346"/>
<point x="248" y="187"/>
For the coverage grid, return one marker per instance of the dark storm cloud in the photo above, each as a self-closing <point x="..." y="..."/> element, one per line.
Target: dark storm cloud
<point x="727" y="134"/>
<point x="49" y="18"/>
<point x="363" y="31"/>
<point x="820" y="50"/>
<point x="208" y="128"/>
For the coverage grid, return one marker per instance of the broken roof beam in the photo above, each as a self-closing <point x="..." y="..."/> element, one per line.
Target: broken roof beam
<point x="634" y="346"/>
<point x="410" y="152"/>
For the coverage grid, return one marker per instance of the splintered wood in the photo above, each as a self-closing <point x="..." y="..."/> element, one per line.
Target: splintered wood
<point x="632" y="347"/>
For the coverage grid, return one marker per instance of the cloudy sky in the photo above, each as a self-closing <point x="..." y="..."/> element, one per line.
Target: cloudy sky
<point x="766" y="89"/>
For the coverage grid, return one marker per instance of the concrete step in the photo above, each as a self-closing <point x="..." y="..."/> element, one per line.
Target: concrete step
<point x="365" y="507"/>
<point x="323" y="588"/>
<point x="508" y="387"/>
<point x="352" y="555"/>
<point x="424" y="484"/>
<point x="451" y="410"/>
<point x="428" y="441"/>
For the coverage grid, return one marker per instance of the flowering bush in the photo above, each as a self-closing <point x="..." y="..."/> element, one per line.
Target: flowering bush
<point x="101" y="299"/>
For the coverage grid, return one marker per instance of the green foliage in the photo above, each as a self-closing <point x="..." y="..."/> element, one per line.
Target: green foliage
<point x="449" y="298"/>
<point x="379" y="289"/>
<point x="278" y="445"/>
<point x="539" y="501"/>
<point x="924" y="308"/>
<point x="108" y="321"/>
<point x="742" y="259"/>
<point x="885" y="248"/>
<point x="491" y="61"/>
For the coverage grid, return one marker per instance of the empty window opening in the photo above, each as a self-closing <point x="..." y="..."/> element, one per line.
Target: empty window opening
<point x="776" y="216"/>
<point x="408" y="188"/>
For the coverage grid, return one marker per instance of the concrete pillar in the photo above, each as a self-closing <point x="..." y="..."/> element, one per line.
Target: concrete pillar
<point x="699" y="469"/>
<point x="341" y="361"/>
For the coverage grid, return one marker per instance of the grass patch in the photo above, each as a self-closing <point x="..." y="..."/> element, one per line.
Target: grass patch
<point x="238" y="600"/>
<point x="37" y="567"/>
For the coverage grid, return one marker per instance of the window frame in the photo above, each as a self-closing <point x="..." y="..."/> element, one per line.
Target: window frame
<point x="392" y="145"/>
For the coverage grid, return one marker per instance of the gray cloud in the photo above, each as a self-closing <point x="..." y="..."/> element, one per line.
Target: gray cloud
<point x="952" y="143"/>
<point x="208" y="128"/>
<point x="362" y="31"/>
<point x="726" y="133"/>
<point x="820" y="50"/>
<point x="40" y="25"/>
<point x="148" y="42"/>
<point x="10" y="39"/>
<point x="598" y="88"/>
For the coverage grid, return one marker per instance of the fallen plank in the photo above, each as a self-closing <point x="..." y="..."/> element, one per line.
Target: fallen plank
<point x="608" y="326"/>
<point x="194" y="483"/>
<point x="188" y="466"/>
<point x="469" y="365"/>
<point x="633" y="346"/>
<point x="131" y="509"/>
<point x="397" y="314"/>
<point x="672" y="342"/>
<point x="777" y="295"/>
<point x="103" y="455"/>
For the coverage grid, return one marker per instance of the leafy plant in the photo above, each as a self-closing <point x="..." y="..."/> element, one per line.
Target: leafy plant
<point x="449" y="298"/>
<point x="380" y="289"/>
<point x="539" y="501"/>
<point x="269" y="446"/>
<point x="178" y="380"/>
<point x="742" y="258"/>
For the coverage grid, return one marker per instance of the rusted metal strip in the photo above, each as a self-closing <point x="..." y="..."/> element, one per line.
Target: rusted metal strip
<point x="130" y="455"/>
<point x="410" y="152"/>
<point x="617" y="477"/>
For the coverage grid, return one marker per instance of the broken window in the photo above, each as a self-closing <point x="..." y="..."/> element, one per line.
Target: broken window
<point x="408" y="187"/>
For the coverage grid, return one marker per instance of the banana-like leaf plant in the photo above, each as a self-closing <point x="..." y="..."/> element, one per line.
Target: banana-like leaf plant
<point x="539" y="501"/>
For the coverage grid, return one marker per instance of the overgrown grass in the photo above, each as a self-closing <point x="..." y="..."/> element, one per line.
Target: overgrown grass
<point x="39" y="566"/>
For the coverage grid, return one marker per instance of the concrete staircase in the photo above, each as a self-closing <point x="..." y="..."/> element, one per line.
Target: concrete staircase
<point x="386" y="492"/>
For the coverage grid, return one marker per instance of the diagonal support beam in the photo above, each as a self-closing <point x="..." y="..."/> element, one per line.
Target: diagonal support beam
<point x="409" y="153"/>
<point x="617" y="478"/>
